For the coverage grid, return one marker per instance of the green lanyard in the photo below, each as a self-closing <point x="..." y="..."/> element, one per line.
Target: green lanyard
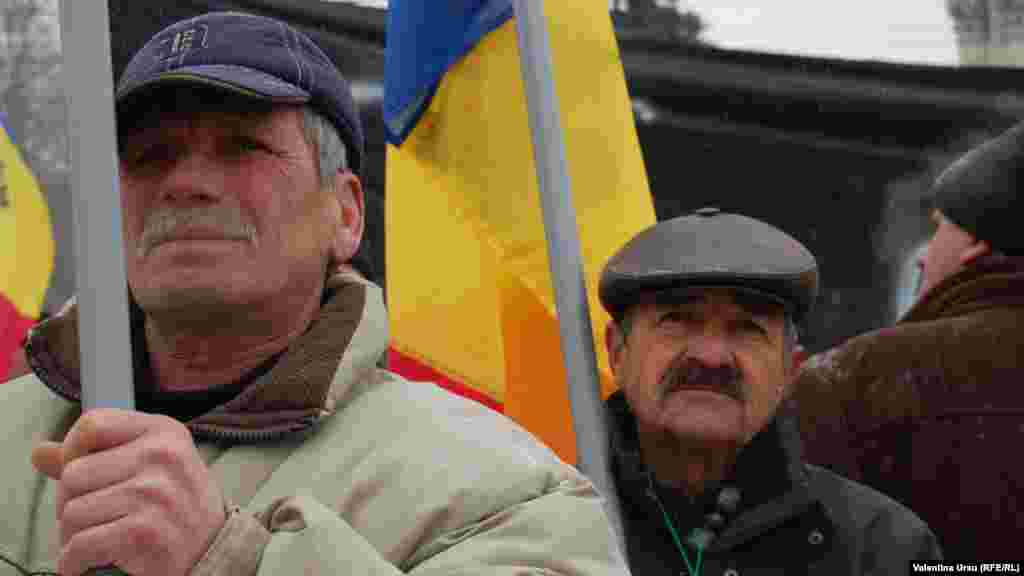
<point x="675" y="538"/>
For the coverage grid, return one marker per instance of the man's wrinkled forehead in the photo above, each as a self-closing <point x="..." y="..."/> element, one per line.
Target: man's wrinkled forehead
<point x="753" y="302"/>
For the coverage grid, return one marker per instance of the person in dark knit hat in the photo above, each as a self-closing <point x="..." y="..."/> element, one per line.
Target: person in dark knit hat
<point x="980" y="192"/>
<point x="931" y="410"/>
<point x="705" y="454"/>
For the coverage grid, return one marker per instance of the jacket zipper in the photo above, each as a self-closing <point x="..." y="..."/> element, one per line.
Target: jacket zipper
<point x="212" y="433"/>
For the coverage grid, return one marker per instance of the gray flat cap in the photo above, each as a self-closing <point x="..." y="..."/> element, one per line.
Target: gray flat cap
<point x="711" y="248"/>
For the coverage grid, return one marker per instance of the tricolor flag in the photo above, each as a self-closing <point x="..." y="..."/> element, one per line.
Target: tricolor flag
<point x="26" y="250"/>
<point x="468" y="281"/>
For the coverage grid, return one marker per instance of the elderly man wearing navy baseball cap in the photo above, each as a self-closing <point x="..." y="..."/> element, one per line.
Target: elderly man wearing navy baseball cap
<point x="267" y="440"/>
<point x="706" y="455"/>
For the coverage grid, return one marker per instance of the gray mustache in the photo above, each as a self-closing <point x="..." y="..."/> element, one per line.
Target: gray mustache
<point x="165" y="224"/>
<point x="686" y="372"/>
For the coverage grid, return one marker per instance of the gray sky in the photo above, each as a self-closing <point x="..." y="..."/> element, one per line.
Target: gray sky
<point x="916" y="31"/>
<point x="891" y="30"/>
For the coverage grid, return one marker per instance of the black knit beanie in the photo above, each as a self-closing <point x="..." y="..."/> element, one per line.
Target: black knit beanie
<point x="980" y="192"/>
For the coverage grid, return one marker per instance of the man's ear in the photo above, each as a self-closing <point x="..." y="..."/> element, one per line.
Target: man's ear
<point x="800" y="356"/>
<point x="976" y="250"/>
<point x="348" y="212"/>
<point x="614" y="344"/>
<point x="797" y="360"/>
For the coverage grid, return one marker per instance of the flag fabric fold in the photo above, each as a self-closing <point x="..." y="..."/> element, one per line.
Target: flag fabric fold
<point x="468" y="280"/>
<point x="26" y="249"/>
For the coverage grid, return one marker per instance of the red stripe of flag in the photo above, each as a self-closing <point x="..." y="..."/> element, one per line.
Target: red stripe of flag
<point x="13" y="328"/>
<point x="413" y="369"/>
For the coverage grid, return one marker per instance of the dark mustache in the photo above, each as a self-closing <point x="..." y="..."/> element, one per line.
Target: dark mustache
<point x="688" y="372"/>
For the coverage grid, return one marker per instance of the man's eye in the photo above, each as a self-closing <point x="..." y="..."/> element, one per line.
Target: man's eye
<point x="251" y="145"/>
<point x="148" y="155"/>
<point x="752" y="326"/>
<point x="675" y="316"/>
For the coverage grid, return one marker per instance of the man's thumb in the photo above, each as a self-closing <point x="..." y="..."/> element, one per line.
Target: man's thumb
<point x="48" y="458"/>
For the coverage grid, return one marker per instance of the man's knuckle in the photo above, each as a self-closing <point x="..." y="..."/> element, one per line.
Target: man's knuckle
<point x="163" y="454"/>
<point x="155" y="493"/>
<point x="88" y="426"/>
<point x="72" y="477"/>
<point x="181" y="432"/>
<point x="142" y="534"/>
<point x="71" y="517"/>
<point x="165" y="423"/>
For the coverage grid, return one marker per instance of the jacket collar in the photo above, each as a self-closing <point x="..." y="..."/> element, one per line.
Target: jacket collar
<point x="769" y="473"/>
<point x="993" y="281"/>
<point x="310" y="380"/>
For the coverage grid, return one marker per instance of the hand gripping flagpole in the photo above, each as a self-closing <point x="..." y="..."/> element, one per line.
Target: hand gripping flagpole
<point x="101" y="288"/>
<point x="564" y="257"/>
<point x="100" y="279"/>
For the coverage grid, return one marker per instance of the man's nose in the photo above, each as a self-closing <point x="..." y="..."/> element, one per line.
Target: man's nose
<point x="922" y="255"/>
<point x="712" y="348"/>
<point x="192" y="178"/>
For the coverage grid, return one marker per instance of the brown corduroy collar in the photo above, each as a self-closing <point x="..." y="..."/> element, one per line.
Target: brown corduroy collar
<point x="308" y="381"/>
<point x="994" y="281"/>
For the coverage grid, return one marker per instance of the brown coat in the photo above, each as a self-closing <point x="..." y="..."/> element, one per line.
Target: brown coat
<point x="931" y="410"/>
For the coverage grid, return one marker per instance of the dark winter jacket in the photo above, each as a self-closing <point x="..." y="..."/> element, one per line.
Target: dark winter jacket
<point x="792" y="518"/>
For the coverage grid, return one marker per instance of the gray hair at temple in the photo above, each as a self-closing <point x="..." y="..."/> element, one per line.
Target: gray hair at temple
<point x="321" y="133"/>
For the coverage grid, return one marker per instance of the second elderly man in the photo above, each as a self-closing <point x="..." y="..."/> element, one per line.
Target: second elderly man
<point x="706" y="455"/>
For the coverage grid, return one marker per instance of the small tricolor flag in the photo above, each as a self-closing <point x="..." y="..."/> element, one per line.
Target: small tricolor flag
<point x="26" y="250"/>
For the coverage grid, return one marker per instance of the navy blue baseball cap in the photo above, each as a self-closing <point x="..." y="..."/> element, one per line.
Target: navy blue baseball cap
<point x="251" y="56"/>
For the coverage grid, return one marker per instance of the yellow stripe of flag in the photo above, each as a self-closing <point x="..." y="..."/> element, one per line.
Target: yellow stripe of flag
<point x="26" y="241"/>
<point x="469" y="287"/>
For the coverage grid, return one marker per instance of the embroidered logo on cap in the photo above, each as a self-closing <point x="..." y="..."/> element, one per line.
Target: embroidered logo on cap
<point x="182" y="42"/>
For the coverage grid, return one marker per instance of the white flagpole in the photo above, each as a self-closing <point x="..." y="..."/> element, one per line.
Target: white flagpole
<point x="564" y="256"/>
<point x="104" y="343"/>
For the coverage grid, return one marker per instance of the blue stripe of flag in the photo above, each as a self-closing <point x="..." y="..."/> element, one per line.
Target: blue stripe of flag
<point x="424" y="39"/>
